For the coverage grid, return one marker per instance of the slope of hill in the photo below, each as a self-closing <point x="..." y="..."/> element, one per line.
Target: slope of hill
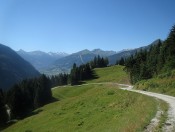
<point x="13" y="68"/>
<point x="128" y="53"/>
<point x="108" y="74"/>
<point x="163" y="83"/>
<point x="39" y="59"/>
<point x="92" y="108"/>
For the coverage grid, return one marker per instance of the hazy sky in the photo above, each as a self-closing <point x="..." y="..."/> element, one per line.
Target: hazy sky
<point x="73" y="25"/>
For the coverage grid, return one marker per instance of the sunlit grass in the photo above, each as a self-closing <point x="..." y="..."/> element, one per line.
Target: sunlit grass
<point x="91" y="108"/>
<point x="111" y="74"/>
<point x="159" y="85"/>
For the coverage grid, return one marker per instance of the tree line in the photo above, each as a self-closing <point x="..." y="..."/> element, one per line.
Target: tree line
<point x="59" y="80"/>
<point x="99" y="62"/>
<point x="160" y="58"/>
<point x="24" y="97"/>
<point x="85" y="71"/>
<point x="80" y="73"/>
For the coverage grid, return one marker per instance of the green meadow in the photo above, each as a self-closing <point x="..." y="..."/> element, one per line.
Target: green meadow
<point x="93" y="107"/>
<point x="111" y="74"/>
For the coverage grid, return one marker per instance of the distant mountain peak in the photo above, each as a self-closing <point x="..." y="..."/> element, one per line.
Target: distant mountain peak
<point x="40" y="59"/>
<point x="83" y="52"/>
<point x="94" y="50"/>
<point x="21" y="50"/>
<point x="124" y="50"/>
<point x="103" y="53"/>
<point x="57" y="53"/>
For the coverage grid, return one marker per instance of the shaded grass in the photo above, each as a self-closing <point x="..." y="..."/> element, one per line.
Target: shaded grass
<point x="91" y="108"/>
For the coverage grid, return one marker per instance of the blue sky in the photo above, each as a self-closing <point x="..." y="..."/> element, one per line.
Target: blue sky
<point x="73" y="25"/>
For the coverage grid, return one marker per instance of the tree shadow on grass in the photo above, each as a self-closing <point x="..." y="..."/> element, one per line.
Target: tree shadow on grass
<point x="93" y="76"/>
<point x="53" y="100"/>
<point x="34" y="112"/>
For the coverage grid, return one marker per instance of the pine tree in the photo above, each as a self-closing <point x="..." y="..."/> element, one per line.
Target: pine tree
<point x="3" y="113"/>
<point x="74" y="75"/>
<point x="43" y="93"/>
<point x="170" y="50"/>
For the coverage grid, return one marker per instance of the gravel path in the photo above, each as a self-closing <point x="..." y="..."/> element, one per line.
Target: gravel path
<point x="170" y="123"/>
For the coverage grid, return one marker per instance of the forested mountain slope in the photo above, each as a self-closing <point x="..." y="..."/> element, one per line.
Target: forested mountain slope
<point x="159" y="59"/>
<point x="127" y="53"/>
<point x="155" y="68"/>
<point x="13" y="68"/>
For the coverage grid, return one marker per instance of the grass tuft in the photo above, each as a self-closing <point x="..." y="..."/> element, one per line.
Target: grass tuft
<point x="111" y="92"/>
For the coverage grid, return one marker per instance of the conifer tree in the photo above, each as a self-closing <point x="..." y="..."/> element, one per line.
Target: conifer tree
<point x="3" y="113"/>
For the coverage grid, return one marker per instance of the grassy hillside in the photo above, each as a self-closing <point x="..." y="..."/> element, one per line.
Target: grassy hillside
<point x="164" y="83"/>
<point x="92" y="108"/>
<point x="111" y="74"/>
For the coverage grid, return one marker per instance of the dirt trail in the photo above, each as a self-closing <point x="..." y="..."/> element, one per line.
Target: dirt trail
<point x="170" y="123"/>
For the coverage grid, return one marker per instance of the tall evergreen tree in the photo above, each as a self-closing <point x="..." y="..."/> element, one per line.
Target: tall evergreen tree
<point x="43" y="93"/>
<point x="3" y="112"/>
<point x="74" y="75"/>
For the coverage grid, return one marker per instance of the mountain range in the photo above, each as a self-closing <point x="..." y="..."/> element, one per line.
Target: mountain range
<point x="54" y="63"/>
<point x="39" y="59"/>
<point x="81" y="57"/>
<point x="13" y="68"/>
